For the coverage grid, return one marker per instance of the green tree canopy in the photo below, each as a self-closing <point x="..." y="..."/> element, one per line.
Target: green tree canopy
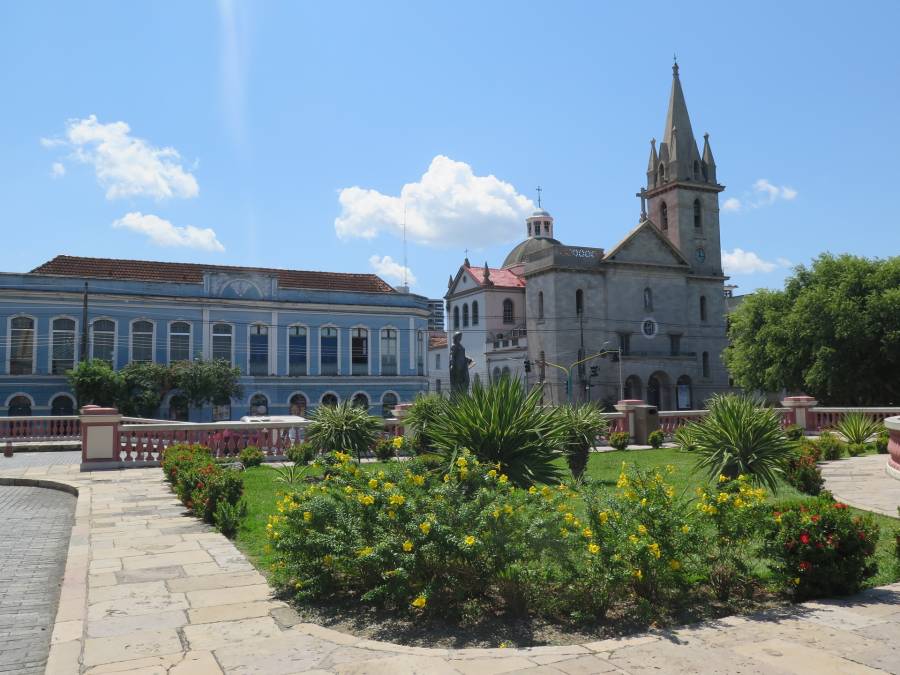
<point x="202" y="382"/>
<point x="95" y="382"/>
<point x="833" y="332"/>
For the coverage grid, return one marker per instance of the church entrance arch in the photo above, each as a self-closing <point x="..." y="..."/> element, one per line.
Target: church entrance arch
<point x="659" y="390"/>
<point x="633" y="389"/>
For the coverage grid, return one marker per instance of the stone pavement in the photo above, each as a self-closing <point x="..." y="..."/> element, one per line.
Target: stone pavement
<point x="34" y="534"/>
<point x="148" y="589"/>
<point x="29" y="459"/>
<point x="862" y="482"/>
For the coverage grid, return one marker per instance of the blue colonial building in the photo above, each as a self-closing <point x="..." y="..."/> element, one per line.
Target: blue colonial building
<point x="301" y="339"/>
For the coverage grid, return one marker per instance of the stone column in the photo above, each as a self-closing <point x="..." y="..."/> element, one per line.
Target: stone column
<point x="99" y="437"/>
<point x="893" y="463"/>
<point x="627" y="406"/>
<point x="802" y="405"/>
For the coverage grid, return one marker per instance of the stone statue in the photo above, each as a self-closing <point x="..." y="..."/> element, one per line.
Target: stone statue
<point x="459" y="366"/>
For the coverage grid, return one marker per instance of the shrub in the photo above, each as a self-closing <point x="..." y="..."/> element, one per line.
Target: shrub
<point x="502" y="424"/>
<point x="344" y="427"/>
<point x="794" y="432"/>
<point x="802" y="470"/>
<point x="200" y="483"/>
<point x="583" y="424"/>
<point x="386" y="448"/>
<point x="857" y="427"/>
<point x="301" y="453"/>
<point x="421" y="414"/>
<point x="619" y="440"/>
<point x="738" y="436"/>
<point x="881" y="441"/>
<point x="830" y="446"/>
<point x="820" y="549"/>
<point x="251" y="456"/>
<point x="656" y="438"/>
<point x="857" y="449"/>
<point x="684" y="437"/>
<point x="228" y="517"/>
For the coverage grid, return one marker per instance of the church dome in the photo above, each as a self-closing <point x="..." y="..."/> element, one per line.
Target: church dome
<point x="527" y="248"/>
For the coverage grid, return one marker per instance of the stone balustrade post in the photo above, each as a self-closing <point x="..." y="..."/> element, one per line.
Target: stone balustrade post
<point x="628" y="406"/>
<point x="893" y="462"/>
<point x="99" y="437"/>
<point x="802" y="406"/>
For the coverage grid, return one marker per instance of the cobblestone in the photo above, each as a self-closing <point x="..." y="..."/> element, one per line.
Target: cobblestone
<point x="34" y="535"/>
<point x="21" y="460"/>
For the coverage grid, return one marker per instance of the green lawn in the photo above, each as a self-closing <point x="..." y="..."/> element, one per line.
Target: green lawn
<point x="261" y="491"/>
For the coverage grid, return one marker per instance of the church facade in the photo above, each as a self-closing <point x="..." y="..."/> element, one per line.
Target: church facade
<point x="645" y="318"/>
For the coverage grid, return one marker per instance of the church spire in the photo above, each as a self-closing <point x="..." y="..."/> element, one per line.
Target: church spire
<point x="678" y="132"/>
<point x="709" y="164"/>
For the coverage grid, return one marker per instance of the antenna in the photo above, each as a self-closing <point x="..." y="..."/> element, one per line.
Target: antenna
<point x="405" y="267"/>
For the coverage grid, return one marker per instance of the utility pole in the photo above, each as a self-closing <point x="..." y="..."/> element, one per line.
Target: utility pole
<point x="84" y="326"/>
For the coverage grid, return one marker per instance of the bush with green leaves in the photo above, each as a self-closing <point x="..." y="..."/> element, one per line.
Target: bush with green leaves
<point x="656" y="438"/>
<point x="583" y="424"/>
<point x="251" y="456"/>
<point x="228" y="517"/>
<point x="830" y="446"/>
<point x="802" y="471"/>
<point x="794" y="432"/>
<point x="820" y="549"/>
<point x="739" y="436"/>
<point x="684" y="437"/>
<point x="503" y="424"/>
<point x="199" y="481"/>
<point x="343" y="428"/>
<point x="301" y="453"/>
<point x="857" y="427"/>
<point x="619" y="440"/>
<point x="386" y="448"/>
<point x="425" y="409"/>
<point x="857" y="449"/>
<point x="881" y="441"/>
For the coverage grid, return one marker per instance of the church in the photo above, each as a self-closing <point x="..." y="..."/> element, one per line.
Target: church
<point x="643" y="319"/>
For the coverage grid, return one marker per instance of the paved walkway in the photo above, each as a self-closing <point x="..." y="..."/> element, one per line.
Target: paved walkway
<point x="34" y="535"/>
<point x="863" y="483"/>
<point x="150" y="590"/>
<point x="48" y="458"/>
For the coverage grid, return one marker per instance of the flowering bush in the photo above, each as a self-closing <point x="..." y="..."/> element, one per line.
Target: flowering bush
<point x="830" y="446"/>
<point x="619" y="440"/>
<point x="820" y="548"/>
<point x="301" y="453"/>
<point x="200" y="483"/>
<point x="656" y="438"/>
<point x="388" y="448"/>
<point x="802" y="469"/>
<point x="251" y="456"/>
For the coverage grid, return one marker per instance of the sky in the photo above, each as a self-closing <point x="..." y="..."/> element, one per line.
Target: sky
<point x="303" y="135"/>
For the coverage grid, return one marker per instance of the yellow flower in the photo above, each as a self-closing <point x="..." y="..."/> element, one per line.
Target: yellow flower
<point x="298" y="584"/>
<point x="569" y="517"/>
<point x="644" y="501"/>
<point x="425" y="527"/>
<point x="623" y="481"/>
<point x="418" y="480"/>
<point x="586" y="532"/>
<point x="446" y="477"/>
<point x="392" y="514"/>
<point x="327" y="560"/>
<point x="508" y="510"/>
<point x="593" y="549"/>
<point x="546" y="492"/>
<point x="388" y="486"/>
<point x="670" y="468"/>
<point x="397" y="442"/>
<point x="397" y="500"/>
<point x="496" y="513"/>
<point x="603" y="516"/>
<point x="723" y="497"/>
<point x="419" y="602"/>
<point x="366" y="500"/>
<point x="633" y="538"/>
<point x="503" y="478"/>
<point x="685" y="528"/>
<point x="342" y="457"/>
<point x="674" y="565"/>
<point x="492" y="473"/>
<point x="738" y="503"/>
<point x="642" y="529"/>
<point x="654" y="549"/>
<point x="532" y="490"/>
<point x="463" y="473"/>
<point x="637" y="574"/>
<point x="796" y="581"/>
<point x="778" y="519"/>
<point x="365" y="551"/>
<point x="722" y="478"/>
<point x="564" y="532"/>
<point x="373" y="483"/>
<point x="407" y="546"/>
<point x="462" y="462"/>
<point x="307" y="516"/>
<point x="348" y="490"/>
<point x="470" y="540"/>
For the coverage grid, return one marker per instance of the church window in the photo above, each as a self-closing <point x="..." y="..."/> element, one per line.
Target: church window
<point x="648" y="299"/>
<point x="103" y="340"/>
<point x="466" y="316"/>
<point x="705" y="364"/>
<point x="389" y="358"/>
<point x="259" y="404"/>
<point x="63" y="354"/>
<point x="648" y="328"/>
<point x="359" y="351"/>
<point x="328" y="350"/>
<point x="475" y="313"/>
<point x="456" y="317"/>
<point x="664" y="216"/>
<point x="330" y="400"/>
<point x="579" y="303"/>
<point x="674" y="344"/>
<point x="547" y="227"/>
<point x="540" y="305"/>
<point x="179" y="341"/>
<point x="625" y="343"/>
<point x="221" y="342"/>
<point x="297" y="351"/>
<point x="697" y="221"/>
<point x="259" y="349"/>
<point x="508" y="313"/>
<point x="703" y="308"/>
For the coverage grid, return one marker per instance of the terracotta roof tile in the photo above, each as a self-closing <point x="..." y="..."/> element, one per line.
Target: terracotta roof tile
<point x="146" y="270"/>
<point x="504" y="278"/>
<point x="437" y="340"/>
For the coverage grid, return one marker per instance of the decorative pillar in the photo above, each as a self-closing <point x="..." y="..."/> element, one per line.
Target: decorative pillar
<point x="627" y="406"/>
<point x="802" y="406"/>
<point x="893" y="463"/>
<point x="99" y="437"/>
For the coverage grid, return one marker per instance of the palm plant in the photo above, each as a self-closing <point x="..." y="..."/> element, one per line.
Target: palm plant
<point x="739" y="436"/>
<point x="502" y="424"/>
<point x="684" y="437"/>
<point x="420" y="416"/>
<point x="857" y="427"/>
<point x="344" y="427"/>
<point x="583" y="423"/>
<point x="292" y="475"/>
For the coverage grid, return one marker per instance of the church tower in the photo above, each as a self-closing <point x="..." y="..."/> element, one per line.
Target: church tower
<point x="682" y="195"/>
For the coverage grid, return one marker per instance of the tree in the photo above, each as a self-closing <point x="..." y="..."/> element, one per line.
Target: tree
<point x="202" y="382"/>
<point x="833" y="332"/>
<point x="97" y="383"/>
<point x="145" y="386"/>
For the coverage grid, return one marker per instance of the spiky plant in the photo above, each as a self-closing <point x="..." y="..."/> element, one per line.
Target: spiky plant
<point x="684" y="437"/>
<point x="344" y="428"/>
<point x="420" y="416"/>
<point x="502" y="424"/>
<point x="740" y="436"/>
<point x="583" y="423"/>
<point x="857" y="427"/>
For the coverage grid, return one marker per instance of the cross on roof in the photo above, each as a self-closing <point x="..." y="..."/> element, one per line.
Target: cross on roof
<point x="539" y="189"/>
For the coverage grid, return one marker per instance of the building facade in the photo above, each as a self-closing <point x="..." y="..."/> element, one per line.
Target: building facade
<point x="644" y="319"/>
<point x="436" y="315"/>
<point x="301" y="339"/>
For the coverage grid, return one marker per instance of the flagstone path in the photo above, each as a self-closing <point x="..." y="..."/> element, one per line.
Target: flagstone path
<point x="148" y="589"/>
<point x="862" y="482"/>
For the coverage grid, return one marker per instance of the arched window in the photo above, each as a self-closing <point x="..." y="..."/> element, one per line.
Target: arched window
<point x="661" y="173"/>
<point x="103" y="340"/>
<point x="540" y="304"/>
<point x="359" y="351"/>
<point x="360" y="401"/>
<point x="179" y="411"/>
<point x="179" y="341"/>
<point x="63" y="354"/>
<point x="703" y="308"/>
<point x="633" y="388"/>
<point x="142" y="342"/>
<point x="388" y="402"/>
<point x="697" y="216"/>
<point x="705" y="364"/>
<point x="508" y="312"/>
<point x="297" y="351"/>
<point x="21" y="355"/>
<point x="579" y="302"/>
<point x="222" y="342"/>
<point x="475" y="313"/>
<point x="506" y="372"/>
<point x="389" y="358"/>
<point x="664" y="216"/>
<point x="495" y="374"/>
<point x="259" y="405"/>
<point x="648" y="299"/>
<point x="259" y="349"/>
<point x="683" y="393"/>
<point x="465" y="315"/>
<point x="298" y="405"/>
<point x="62" y="404"/>
<point x="328" y="350"/>
<point x="437" y="386"/>
<point x="456" y="317"/>
<point x="19" y="406"/>
<point x="329" y="399"/>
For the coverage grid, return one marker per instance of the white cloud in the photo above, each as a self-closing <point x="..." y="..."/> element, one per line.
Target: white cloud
<point x="163" y="233"/>
<point x="740" y="261"/>
<point x="388" y="267"/>
<point x="763" y="193"/>
<point x="58" y="169"/>
<point x="126" y="166"/>
<point x="448" y="205"/>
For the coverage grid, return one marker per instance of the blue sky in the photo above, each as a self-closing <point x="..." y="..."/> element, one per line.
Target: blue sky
<point x="282" y="134"/>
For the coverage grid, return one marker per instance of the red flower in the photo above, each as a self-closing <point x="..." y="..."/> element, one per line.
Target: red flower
<point x="804" y="538"/>
<point x="840" y="505"/>
<point x="862" y="535"/>
<point x="815" y="518"/>
<point x="805" y="566"/>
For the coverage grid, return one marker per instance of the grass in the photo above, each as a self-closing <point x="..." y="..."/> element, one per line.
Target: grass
<point x="261" y="491"/>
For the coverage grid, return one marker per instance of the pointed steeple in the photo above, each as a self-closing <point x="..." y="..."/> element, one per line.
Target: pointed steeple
<point x="486" y="277"/>
<point x="652" y="164"/>
<point x="709" y="164"/>
<point x="678" y="132"/>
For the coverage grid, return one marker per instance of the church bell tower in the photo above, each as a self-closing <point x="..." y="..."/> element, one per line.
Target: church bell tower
<point x="682" y="195"/>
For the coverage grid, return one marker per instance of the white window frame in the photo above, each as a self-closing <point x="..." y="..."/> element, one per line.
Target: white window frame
<point x="364" y="393"/>
<point x="169" y="339"/>
<point x="300" y="393"/>
<point x="325" y="393"/>
<point x="152" y="339"/>
<point x="34" y="345"/>
<point x="115" y="349"/>
<point x="268" y="328"/>
<point x="369" y="355"/>
<point x="287" y="343"/>
<point x="21" y="393"/>
<point x="268" y="402"/>
<point x="69" y="396"/>
<point x="381" y="400"/>
<point x="213" y="324"/>
<point x="319" y="350"/>
<point x="381" y="354"/>
<point x="50" y="355"/>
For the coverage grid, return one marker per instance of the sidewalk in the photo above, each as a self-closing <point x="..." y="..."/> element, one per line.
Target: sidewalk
<point x="149" y="590"/>
<point x="862" y="482"/>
